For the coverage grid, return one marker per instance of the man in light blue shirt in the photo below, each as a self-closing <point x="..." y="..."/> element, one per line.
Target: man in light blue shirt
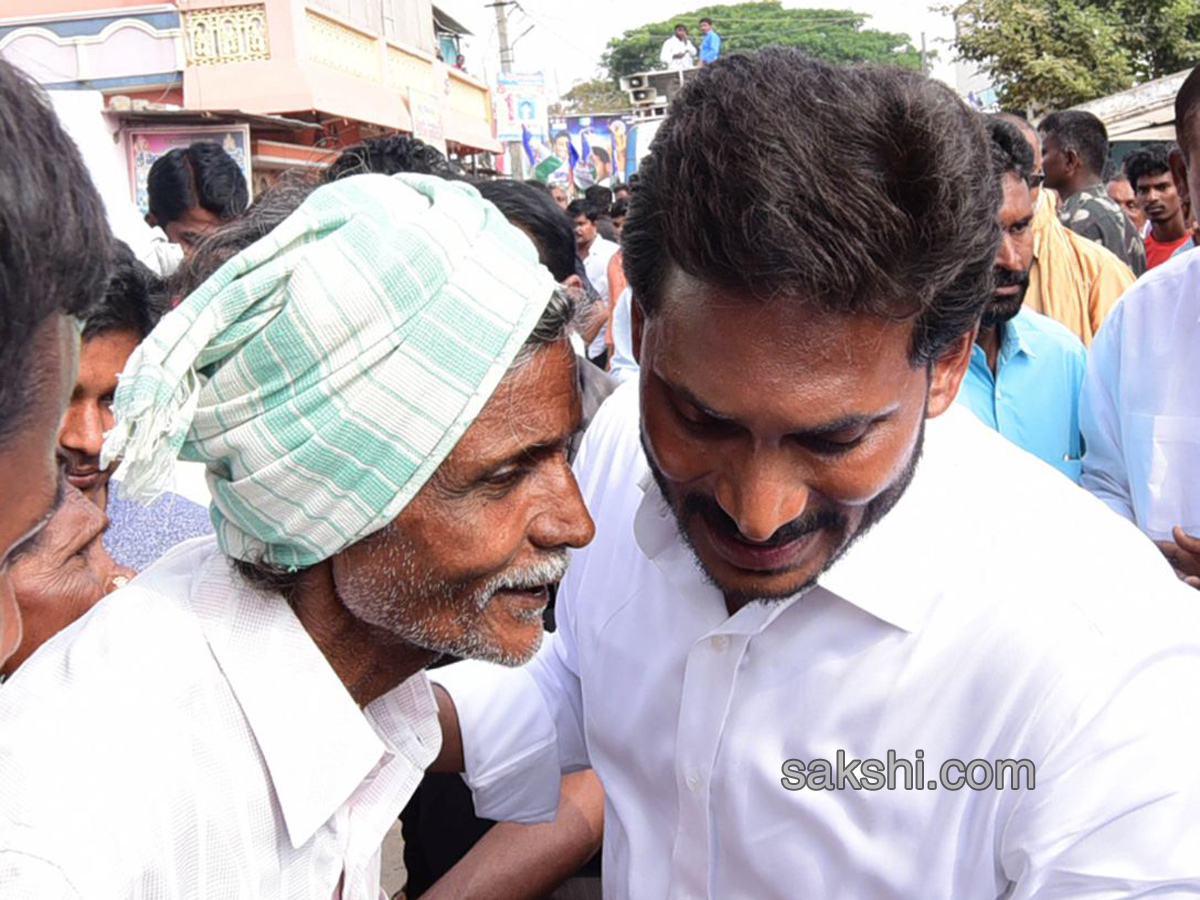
<point x="1026" y="369"/>
<point x="710" y="46"/>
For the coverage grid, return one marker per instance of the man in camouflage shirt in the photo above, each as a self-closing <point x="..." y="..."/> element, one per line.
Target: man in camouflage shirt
<point x="1074" y="151"/>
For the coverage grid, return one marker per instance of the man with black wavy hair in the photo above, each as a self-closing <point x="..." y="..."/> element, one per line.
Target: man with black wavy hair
<point x="54" y="243"/>
<point x="388" y="155"/>
<point x="809" y="561"/>
<point x="1026" y="369"/>
<point x="194" y="189"/>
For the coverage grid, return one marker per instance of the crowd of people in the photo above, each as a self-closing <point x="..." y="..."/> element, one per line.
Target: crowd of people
<point x="566" y="527"/>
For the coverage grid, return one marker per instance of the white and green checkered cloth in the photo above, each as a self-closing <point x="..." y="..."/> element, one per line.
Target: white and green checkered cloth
<point x="324" y="373"/>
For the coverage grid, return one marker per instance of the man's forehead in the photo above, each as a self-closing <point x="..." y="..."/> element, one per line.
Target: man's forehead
<point x="712" y="327"/>
<point x="535" y="402"/>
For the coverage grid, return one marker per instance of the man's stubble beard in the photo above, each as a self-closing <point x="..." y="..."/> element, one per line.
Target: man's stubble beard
<point x="415" y="606"/>
<point x="874" y="511"/>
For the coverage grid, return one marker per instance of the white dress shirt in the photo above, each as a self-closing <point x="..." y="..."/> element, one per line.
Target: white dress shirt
<point x="187" y="739"/>
<point x="623" y="367"/>
<point x="997" y="612"/>
<point x="600" y="254"/>
<point x="676" y="45"/>
<point x="1140" y="408"/>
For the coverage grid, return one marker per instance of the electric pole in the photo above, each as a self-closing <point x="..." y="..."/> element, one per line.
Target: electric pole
<point x="506" y="66"/>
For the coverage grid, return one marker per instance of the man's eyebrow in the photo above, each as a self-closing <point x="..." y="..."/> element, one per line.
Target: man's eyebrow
<point x="528" y="452"/>
<point x="844" y="423"/>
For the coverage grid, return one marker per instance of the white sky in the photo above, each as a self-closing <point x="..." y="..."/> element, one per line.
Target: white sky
<point x="567" y="38"/>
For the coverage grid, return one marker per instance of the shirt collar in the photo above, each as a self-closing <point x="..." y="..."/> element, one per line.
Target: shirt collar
<point x="317" y="744"/>
<point x="1017" y="331"/>
<point x="884" y="573"/>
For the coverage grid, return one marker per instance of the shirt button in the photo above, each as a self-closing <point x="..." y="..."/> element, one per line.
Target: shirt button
<point x="693" y="780"/>
<point x="719" y="643"/>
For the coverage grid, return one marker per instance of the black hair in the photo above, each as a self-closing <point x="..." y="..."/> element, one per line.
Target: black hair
<point x="1150" y="161"/>
<point x="1081" y="132"/>
<point x="540" y="186"/>
<point x="916" y="239"/>
<point x="603" y="155"/>
<point x="681" y="25"/>
<point x="581" y="208"/>
<point x="1187" y="109"/>
<point x="221" y="244"/>
<point x="706" y="20"/>
<point x="536" y="213"/>
<point x="54" y="238"/>
<point x="134" y="300"/>
<point x="599" y="198"/>
<point x="619" y="208"/>
<point x="202" y="175"/>
<point x="388" y="155"/>
<point x="1011" y="153"/>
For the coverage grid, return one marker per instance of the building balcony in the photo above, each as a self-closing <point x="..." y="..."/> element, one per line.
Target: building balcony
<point x="294" y="57"/>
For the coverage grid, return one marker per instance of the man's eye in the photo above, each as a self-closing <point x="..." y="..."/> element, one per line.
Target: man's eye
<point x="834" y="445"/>
<point x="503" y="478"/>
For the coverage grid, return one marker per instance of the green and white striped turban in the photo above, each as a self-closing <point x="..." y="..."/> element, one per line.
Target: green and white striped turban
<point x="325" y="372"/>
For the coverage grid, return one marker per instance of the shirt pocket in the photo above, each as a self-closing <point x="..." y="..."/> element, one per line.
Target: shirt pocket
<point x="1163" y="459"/>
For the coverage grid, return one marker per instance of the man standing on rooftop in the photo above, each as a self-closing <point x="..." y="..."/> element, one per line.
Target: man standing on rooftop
<point x="710" y="45"/>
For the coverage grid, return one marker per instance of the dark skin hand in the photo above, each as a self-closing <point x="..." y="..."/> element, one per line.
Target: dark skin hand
<point x="524" y="862"/>
<point x="1184" y="555"/>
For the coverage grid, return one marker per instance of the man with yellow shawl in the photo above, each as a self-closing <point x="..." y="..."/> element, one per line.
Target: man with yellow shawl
<point x="382" y="391"/>
<point x="1073" y="280"/>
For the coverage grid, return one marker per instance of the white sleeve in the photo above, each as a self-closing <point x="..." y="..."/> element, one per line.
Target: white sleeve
<point x="1105" y="473"/>
<point x="1114" y="809"/>
<point x="667" y="54"/>
<point x="521" y="728"/>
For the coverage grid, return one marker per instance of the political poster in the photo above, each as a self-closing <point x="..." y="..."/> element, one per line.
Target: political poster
<point x="595" y="149"/>
<point x="520" y="103"/>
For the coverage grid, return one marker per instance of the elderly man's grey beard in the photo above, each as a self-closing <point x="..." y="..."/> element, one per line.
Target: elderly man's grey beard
<point x="422" y="609"/>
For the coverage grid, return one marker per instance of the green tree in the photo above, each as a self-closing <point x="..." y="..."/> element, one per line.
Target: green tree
<point x="1049" y="54"/>
<point x="836" y="35"/>
<point x="599" y="95"/>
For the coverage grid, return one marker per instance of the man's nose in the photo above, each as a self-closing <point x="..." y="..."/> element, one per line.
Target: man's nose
<point x="1007" y="256"/>
<point x="82" y="429"/>
<point x="564" y="520"/>
<point x="762" y="492"/>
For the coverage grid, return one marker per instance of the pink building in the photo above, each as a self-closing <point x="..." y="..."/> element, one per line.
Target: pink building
<point x="303" y="77"/>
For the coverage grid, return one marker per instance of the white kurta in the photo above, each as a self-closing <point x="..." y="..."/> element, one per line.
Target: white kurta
<point x="998" y="612"/>
<point x="1140" y="407"/>
<point x="187" y="739"/>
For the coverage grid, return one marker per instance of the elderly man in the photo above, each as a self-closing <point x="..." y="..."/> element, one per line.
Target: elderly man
<point x="814" y="576"/>
<point x="383" y="392"/>
<point x="54" y="243"/>
<point x="62" y="573"/>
